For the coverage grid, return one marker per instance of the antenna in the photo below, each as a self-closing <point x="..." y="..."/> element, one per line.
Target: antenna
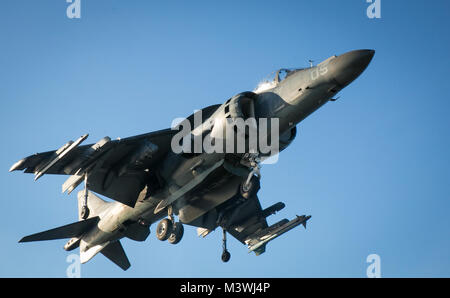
<point x="311" y="63"/>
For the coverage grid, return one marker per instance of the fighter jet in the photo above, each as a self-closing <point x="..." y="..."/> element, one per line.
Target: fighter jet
<point x="148" y="178"/>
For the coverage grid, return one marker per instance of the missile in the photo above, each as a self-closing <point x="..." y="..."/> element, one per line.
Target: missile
<point x="256" y="243"/>
<point x="81" y="165"/>
<point x="20" y="163"/>
<point x="59" y="154"/>
<point x="88" y="156"/>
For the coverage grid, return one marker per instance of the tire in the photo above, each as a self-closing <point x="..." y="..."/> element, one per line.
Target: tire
<point x="226" y="256"/>
<point x="84" y="212"/>
<point x="177" y="233"/>
<point x="164" y="229"/>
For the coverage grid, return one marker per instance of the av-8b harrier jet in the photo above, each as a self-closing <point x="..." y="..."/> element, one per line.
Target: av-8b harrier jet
<point x="164" y="174"/>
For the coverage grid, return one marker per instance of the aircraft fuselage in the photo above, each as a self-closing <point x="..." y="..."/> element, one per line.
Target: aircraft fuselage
<point x="290" y="100"/>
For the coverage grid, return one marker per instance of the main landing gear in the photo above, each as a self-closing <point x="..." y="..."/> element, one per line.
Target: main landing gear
<point x="170" y="230"/>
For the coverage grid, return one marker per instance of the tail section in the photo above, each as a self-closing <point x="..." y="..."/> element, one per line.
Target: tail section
<point x="75" y="229"/>
<point x="94" y="203"/>
<point x="84" y="234"/>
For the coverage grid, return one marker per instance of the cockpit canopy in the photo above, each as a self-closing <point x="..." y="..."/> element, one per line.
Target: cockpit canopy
<point x="272" y="80"/>
<point x="284" y="73"/>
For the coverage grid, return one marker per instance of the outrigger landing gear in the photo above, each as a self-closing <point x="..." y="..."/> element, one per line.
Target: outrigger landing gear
<point x="170" y="230"/>
<point x="225" y="254"/>
<point x="85" y="210"/>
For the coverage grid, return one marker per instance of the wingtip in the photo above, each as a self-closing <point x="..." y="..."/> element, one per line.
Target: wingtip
<point x="17" y="165"/>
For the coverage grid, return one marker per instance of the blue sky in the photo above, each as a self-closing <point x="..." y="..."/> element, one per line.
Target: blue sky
<point x="372" y="168"/>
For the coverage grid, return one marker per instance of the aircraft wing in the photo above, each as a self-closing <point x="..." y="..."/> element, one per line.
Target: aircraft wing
<point x="246" y="220"/>
<point x="248" y="224"/>
<point x="117" y="169"/>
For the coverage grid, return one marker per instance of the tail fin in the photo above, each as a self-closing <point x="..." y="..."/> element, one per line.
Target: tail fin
<point x="94" y="203"/>
<point x="115" y="253"/>
<point x="75" y="229"/>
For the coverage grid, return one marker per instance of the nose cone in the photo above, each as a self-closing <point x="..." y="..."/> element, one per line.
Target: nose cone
<point x="347" y="67"/>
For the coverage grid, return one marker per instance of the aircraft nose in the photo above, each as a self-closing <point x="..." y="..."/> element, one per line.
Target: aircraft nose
<point x="348" y="66"/>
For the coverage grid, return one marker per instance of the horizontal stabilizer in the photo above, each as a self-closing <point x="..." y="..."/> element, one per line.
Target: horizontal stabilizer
<point x="75" y="229"/>
<point x="115" y="253"/>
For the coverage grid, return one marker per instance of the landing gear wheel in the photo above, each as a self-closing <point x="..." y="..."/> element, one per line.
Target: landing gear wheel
<point x="164" y="229"/>
<point x="84" y="212"/>
<point x="177" y="233"/>
<point x="250" y="188"/>
<point x="226" y="256"/>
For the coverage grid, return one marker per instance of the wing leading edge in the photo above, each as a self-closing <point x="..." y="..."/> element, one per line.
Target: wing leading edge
<point x="116" y="169"/>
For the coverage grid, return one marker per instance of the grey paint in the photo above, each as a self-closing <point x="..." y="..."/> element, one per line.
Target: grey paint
<point x="144" y="177"/>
